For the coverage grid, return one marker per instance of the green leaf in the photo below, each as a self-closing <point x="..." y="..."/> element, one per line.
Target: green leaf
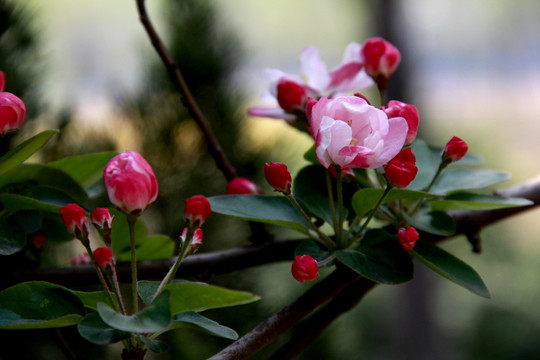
<point x="275" y="210"/>
<point x="434" y="222"/>
<point x="147" y="247"/>
<point x="311" y="248"/>
<point x="92" y="298"/>
<point x="15" y="202"/>
<point x="31" y="175"/>
<point x="466" y="179"/>
<point x="156" y="346"/>
<point x="23" y="151"/>
<point x="364" y="200"/>
<point x="194" y="296"/>
<point x="93" y="329"/>
<point x="427" y="164"/>
<point x="311" y="156"/>
<point x="39" y="305"/>
<point x="468" y="201"/>
<point x="450" y="267"/>
<point x="310" y="187"/>
<point x="379" y="258"/>
<point x="193" y="320"/>
<point x="153" y="318"/>
<point x="12" y="236"/>
<point x="85" y="169"/>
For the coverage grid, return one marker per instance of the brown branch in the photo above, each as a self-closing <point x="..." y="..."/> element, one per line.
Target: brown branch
<point x="289" y="316"/>
<point x="344" y="300"/>
<point x="187" y="98"/>
<point x="200" y="266"/>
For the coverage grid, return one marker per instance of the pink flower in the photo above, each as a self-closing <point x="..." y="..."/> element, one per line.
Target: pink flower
<point x="278" y="177"/>
<point x="408" y="237"/>
<point x="242" y="186"/>
<point x="75" y="220"/>
<point x="401" y="170"/>
<point x="351" y="133"/>
<point x="305" y="268"/>
<point x="380" y="60"/>
<point x="130" y="182"/>
<point x="409" y="112"/>
<point x="12" y="112"/>
<point x="103" y="257"/>
<point x="291" y="91"/>
<point x="197" y="210"/>
<point x="81" y="259"/>
<point x="454" y="150"/>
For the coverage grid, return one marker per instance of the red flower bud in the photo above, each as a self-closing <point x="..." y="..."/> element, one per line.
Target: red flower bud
<point x="130" y="182"/>
<point x="409" y="113"/>
<point x="380" y="60"/>
<point x="75" y="220"/>
<point x="454" y="150"/>
<point x="12" y="112"/>
<point x="102" y="219"/>
<point x="304" y="268"/>
<point x="197" y="210"/>
<point x="81" y="259"/>
<point x="278" y="177"/>
<point x="38" y="239"/>
<point x="408" y="237"/>
<point x="401" y="170"/>
<point x="103" y="257"/>
<point x="242" y="186"/>
<point x="290" y="95"/>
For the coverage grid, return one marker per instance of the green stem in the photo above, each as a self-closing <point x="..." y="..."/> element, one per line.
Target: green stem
<point x="323" y="238"/>
<point x="172" y="271"/>
<point x="132" y="219"/>
<point x="339" y="186"/>
<point x="100" y="274"/>
<point x="331" y="200"/>
<point x="116" y="284"/>
<point x="356" y="240"/>
<point x="442" y="166"/>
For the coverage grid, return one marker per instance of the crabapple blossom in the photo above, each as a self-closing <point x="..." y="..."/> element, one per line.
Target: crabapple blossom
<point x="409" y="112"/>
<point x="74" y="218"/>
<point x="278" y="177"/>
<point x="454" y="150"/>
<point x="242" y="186"/>
<point x="349" y="132"/>
<point x="12" y="112"/>
<point x="304" y="268"/>
<point x="401" y="170"/>
<point x="408" y="237"/>
<point x="380" y="59"/>
<point x="197" y="210"/>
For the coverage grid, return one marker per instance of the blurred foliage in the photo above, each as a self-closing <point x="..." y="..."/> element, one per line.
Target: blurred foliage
<point x="18" y="54"/>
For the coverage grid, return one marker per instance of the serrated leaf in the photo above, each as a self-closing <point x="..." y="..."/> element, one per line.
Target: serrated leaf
<point x="39" y="305"/>
<point x="194" y="296"/>
<point x="275" y="210"/>
<point x="468" y="201"/>
<point x="153" y="318"/>
<point x="379" y="258"/>
<point x="434" y="222"/>
<point x="193" y="320"/>
<point x="467" y="179"/>
<point x="23" y="151"/>
<point x="450" y="267"/>
<point x="85" y="169"/>
<point x="93" y="329"/>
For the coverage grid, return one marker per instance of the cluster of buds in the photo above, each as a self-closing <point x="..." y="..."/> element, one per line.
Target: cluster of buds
<point x="12" y="109"/>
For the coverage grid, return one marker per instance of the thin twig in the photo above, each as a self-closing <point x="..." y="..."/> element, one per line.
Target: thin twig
<point x="187" y="98"/>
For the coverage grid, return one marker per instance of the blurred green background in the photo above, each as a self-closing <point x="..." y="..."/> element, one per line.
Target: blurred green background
<point x="471" y="68"/>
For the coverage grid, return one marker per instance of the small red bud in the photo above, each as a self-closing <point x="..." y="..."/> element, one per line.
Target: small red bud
<point x="103" y="257"/>
<point x="380" y="60"/>
<point x="75" y="220"/>
<point x="401" y="170"/>
<point x="239" y="186"/>
<point x="305" y="268"/>
<point x="291" y="96"/>
<point x="454" y="150"/>
<point x="278" y="177"/>
<point x="197" y="210"/>
<point x="408" y="237"/>
<point x="409" y="113"/>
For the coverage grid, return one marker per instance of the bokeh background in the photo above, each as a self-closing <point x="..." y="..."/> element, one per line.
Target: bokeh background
<point x="472" y="69"/>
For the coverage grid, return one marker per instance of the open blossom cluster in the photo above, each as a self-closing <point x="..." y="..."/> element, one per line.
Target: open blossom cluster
<point x="348" y="131"/>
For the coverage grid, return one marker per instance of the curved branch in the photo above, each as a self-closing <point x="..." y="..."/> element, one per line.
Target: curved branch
<point x="187" y="98"/>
